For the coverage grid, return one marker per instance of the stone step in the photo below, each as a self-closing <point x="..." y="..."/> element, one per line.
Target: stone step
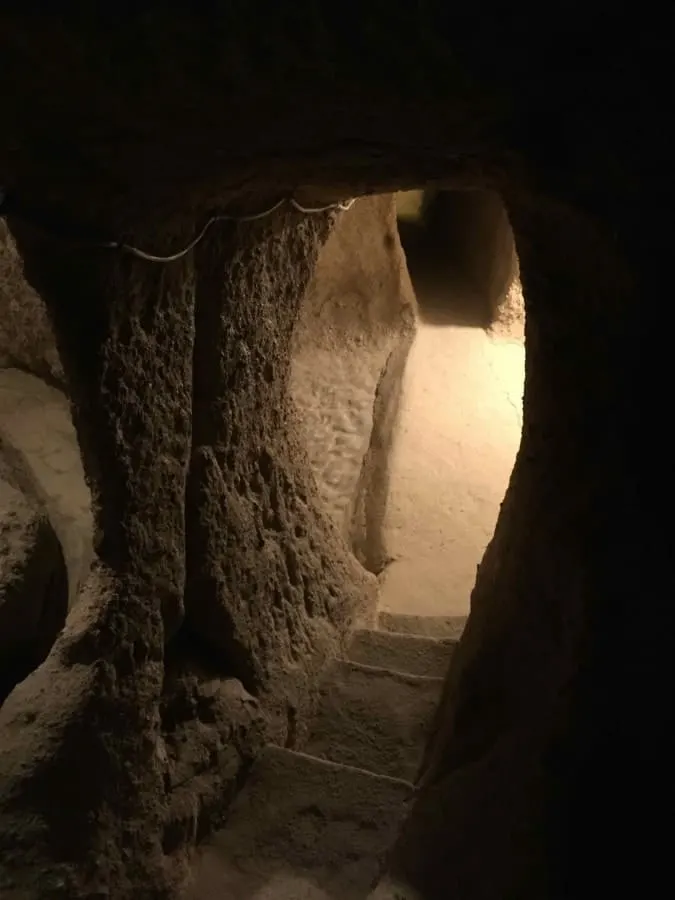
<point x="440" y="627"/>
<point x="374" y="718"/>
<point x="409" y="653"/>
<point x="301" y="829"/>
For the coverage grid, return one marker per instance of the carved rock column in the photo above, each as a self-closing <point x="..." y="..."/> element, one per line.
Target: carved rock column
<point x="81" y="745"/>
<point x="272" y="586"/>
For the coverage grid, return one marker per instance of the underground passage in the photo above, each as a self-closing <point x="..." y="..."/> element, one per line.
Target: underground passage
<point x="324" y="534"/>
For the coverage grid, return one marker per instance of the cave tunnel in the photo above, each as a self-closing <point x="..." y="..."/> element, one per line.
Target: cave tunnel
<point x="263" y="312"/>
<point x="462" y="258"/>
<point x="461" y="405"/>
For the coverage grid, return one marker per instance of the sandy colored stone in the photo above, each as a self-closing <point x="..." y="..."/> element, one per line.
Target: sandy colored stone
<point x="130" y="378"/>
<point x="472" y="229"/>
<point x="271" y="586"/>
<point x="458" y="434"/>
<point x="213" y="728"/>
<point x="509" y="317"/>
<point x="358" y="313"/>
<point x="556" y="731"/>
<point x="36" y="421"/>
<point x="414" y="654"/>
<point x="33" y="579"/>
<point x="440" y="627"/>
<point x="302" y="829"/>
<point x="26" y="337"/>
<point x="373" y="718"/>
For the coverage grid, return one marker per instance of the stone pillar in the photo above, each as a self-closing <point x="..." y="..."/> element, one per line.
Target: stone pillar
<point x="527" y="705"/>
<point x="124" y="329"/>
<point x="272" y="587"/>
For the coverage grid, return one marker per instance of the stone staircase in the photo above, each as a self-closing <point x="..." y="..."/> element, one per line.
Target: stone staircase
<point x="316" y="825"/>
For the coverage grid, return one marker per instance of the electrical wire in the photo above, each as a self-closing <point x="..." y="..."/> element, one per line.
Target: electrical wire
<point x="342" y="206"/>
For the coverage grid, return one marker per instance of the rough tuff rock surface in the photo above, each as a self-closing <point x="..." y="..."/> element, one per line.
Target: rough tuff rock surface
<point x="555" y="726"/>
<point x="211" y="539"/>
<point x="350" y="345"/>
<point x="93" y="708"/>
<point x="33" y="578"/>
<point x="509" y="316"/>
<point x="311" y="586"/>
<point x="26" y="336"/>
<point x="271" y="584"/>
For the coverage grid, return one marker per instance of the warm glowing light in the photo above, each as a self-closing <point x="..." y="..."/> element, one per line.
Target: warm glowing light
<point x="459" y="432"/>
<point x="409" y="205"/>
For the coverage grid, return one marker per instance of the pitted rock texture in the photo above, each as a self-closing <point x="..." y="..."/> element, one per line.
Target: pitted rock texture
<point x="131" y="117"/>
<point x="531" y="734"/>
<point x="374" y="718"/>
<point x="213" y="729"/>
<point x="272" y="587"/>
<point x="94" y="706"/>
<point x="271" y="584"/>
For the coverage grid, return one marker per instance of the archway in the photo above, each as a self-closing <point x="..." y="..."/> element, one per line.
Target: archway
<point x="461" y="408"/>
<point x="143" y="152"/>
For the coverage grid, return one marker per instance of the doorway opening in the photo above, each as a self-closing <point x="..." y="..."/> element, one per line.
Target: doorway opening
<point x="461" y="411"/>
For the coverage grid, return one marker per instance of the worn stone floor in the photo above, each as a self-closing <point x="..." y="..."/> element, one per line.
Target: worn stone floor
<point x="460" y="427"/>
